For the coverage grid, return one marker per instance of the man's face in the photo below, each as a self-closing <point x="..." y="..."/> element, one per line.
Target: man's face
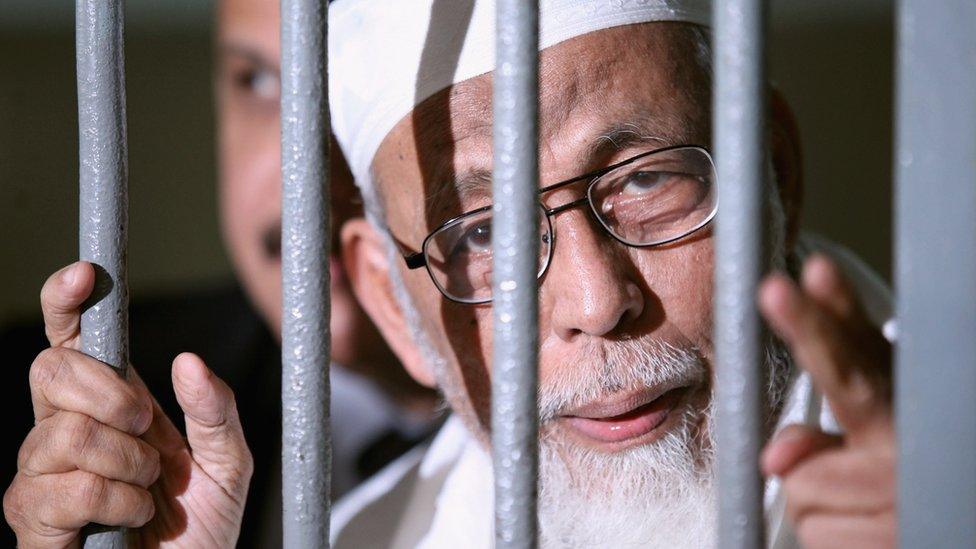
<point x="605" y="97"/>
<point x="247" y="89"/>
<point x="625" y="333"/>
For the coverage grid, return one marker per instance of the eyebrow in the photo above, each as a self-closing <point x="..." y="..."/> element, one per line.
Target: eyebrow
<point x="475" y="182"/>
<point x="612" y="139"/>
<point x="622" y="136"/>
<point x="227" y="49"/>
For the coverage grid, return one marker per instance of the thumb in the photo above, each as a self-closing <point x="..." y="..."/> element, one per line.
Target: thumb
<point x="213" y="428"/>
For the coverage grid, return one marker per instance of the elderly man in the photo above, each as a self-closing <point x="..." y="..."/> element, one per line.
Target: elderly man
<point x="626" y="357"/>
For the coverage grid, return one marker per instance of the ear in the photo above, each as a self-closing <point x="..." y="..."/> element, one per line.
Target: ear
<point x="364" y="258"/>
<point x="788" y="162"/>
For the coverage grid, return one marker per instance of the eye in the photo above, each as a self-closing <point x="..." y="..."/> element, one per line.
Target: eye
<point x="644" y="181"/>
<point x="476" y="239"/>
<point x="259" y="82"/>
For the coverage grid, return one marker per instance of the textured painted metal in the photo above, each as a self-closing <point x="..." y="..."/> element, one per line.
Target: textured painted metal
<point x="103" y="212"/>
<point x="936" y="272"/>
<point x="306" y="440"/>
<point x="739" y="107"/>
<point x="515" y="241"/>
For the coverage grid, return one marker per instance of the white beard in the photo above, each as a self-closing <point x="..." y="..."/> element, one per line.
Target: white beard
<point x="621" y="508"/>
<point x="656" y="495"/>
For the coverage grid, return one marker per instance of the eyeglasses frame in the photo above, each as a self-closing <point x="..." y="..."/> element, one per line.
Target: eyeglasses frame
<point x="418" y="259"/>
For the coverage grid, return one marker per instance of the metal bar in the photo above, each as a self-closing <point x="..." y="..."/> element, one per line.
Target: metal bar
<point x="306" y="436"/>
<point x="515" y="239"/>
<point x="739" y="106"/>
<point x="103" y="201"/>
<point x="936" y="272"/>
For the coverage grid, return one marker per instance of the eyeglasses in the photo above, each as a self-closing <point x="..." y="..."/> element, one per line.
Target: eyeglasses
<point x="651" y="199"/>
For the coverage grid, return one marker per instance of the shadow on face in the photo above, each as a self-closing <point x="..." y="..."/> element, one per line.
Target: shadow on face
<point x="604" y="97"/>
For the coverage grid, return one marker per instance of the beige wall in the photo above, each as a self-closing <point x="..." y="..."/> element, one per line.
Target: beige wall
<point x="834" y="64"/>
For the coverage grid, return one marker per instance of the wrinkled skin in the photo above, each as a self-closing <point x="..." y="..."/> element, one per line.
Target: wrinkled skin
<point x="103" y="451"/>
<point x="839" y="489"/>
<point x="597" y="291"/>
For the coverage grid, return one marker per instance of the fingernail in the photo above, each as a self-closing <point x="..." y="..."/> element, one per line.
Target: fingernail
<point x="69" y="275"/>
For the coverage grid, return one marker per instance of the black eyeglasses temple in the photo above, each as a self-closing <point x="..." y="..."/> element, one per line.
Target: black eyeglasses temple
<point x="415" y="260"/>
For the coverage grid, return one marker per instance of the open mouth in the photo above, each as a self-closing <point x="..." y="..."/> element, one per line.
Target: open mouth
<point x="634" y="418"/>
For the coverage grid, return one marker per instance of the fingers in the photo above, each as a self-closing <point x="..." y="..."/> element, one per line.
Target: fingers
<point x="61" y="300"/>
<point x="48" y="509"/>
<point x="840" y="482"/>
<point x="213" y="428"/>
<point x="824" y="283"/>
<point x="65" y="379"/>
<point x="839" y="531"/>
<point x="792" y="445"/>
<point x="831" y="340"/>
<point x="68" y="441"/>
<point x="843" y="498"/>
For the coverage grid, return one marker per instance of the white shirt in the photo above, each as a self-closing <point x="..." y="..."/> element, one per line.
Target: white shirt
<point x="440" y="495"/>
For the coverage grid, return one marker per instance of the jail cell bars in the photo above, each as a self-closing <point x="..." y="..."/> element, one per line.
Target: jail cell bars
<point x="936" y="236"/>
<point x="515" y="239"/>
<point x="936" y="272"/>
<point x="305" y="337"/>
<point x="103" y="194"/>
<point x="740" y="106"/>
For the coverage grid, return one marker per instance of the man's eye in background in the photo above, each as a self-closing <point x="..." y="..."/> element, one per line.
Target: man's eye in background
<point x="256" y="82"/>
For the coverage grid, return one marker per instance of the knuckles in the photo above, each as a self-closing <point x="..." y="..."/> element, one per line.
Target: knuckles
<point x="50" y="366"/>
<point x="88" y="490"/>
<point x="12" y="504"/>
<point x="114" y="401"/>
<point x="141" y="462"/>
<point x="129" y="407"/>
<point x="69" y="437"/>
<point x="77" y="434"/>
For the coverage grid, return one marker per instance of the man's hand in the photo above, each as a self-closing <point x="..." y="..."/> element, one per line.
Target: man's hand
<point x="102" y="450"/>
<point x="840" y="490"/>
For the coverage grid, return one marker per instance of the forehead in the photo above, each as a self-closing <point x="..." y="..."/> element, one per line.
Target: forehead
<point x="653" y="68"/>
<point x="644" y="79"/>
<point x="254" y="21"/>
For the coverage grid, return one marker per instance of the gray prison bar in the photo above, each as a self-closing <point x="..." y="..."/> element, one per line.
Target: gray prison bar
<point x="515" y="305"/>
<point x="936" y="176"/>
<point x="935" y="272"/>
<point x="306" y="440"/>
<point x="740" y="155"/>
<point x="103" y="194"/>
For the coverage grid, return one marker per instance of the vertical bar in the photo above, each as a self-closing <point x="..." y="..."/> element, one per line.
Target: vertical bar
<point x="515" y="239"/>
<point x="740" y="103"/>
<point x="936" y="272"/>
<point x="306" y="437"/>
<point x="103" y="211"/>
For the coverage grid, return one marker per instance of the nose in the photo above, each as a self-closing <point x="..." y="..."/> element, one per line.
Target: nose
<point x="590" y="288"/>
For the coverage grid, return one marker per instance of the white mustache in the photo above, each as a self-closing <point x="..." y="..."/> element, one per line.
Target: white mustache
<point x="616" y="367"/>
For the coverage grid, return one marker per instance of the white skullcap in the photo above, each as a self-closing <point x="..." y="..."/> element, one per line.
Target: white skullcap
<point x="376" y="47"/>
